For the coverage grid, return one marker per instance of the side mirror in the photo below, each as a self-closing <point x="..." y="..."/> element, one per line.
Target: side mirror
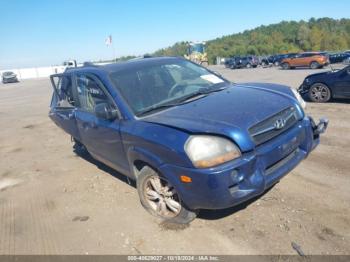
<point x="104" y="111"/>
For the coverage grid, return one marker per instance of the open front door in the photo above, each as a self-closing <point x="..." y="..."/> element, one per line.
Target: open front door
<point x="63" y="104"/>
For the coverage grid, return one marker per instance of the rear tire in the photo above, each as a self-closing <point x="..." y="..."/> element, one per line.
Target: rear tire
<point x="161" y="199"/>
<point x="285" y="66"/>
<point x="319" y="93"/>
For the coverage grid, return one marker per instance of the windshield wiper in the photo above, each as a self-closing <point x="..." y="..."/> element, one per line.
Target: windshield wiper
<point x="155" y="108"/>
<point x="189" y="98"/>
<point x="199" y="94"/>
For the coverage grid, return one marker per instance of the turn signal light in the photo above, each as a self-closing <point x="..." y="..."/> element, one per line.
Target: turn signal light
<point x="185" y="179"/>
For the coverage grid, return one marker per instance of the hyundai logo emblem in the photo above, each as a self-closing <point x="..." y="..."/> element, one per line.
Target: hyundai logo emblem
<point x="280" y="123"/>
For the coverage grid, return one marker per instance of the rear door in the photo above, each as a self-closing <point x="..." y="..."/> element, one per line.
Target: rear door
<point x="100" y="136"/>
<point x="298" y="60"/>
<point x="63" y="104"/>
<point x="295" y="60"/>
<point x="306" y="59"/>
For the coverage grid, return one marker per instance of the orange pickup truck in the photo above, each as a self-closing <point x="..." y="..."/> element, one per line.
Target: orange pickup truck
<point x="312" y="60"/>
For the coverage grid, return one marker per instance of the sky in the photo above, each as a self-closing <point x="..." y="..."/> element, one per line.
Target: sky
<point x="46" y="32"/>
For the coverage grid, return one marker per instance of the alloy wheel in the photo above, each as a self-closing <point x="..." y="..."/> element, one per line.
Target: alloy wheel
<point x="319" y="93"/>
<point x="162" y="197"/>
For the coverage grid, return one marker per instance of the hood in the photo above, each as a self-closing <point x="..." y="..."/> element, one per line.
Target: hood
<point x="9" y="76"/>
<point x="230" y="112"/>
<point x="322" y="74"/>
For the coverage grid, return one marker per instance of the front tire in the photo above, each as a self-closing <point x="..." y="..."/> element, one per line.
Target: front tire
<point x="161" y="199"/>
<point x="319" y="93"/>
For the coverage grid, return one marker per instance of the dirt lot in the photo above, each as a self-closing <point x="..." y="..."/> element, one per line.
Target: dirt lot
<point x="54" y="202"/>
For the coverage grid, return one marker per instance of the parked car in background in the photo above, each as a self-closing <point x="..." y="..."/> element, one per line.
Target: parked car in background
<point x="284" y="56"/>
<point x="267" y="61"/>
<point x="312" y="60"/>
<point x="228" y="62"/>
<point x="9" y="77"/>
<point x="322" y="87"/>
<point x="275" y="59"/>
<point x="177" y="129"/>
<point x="250" y="61"/>
<point x="338" y="57"/>
<point x="244" y="62"/>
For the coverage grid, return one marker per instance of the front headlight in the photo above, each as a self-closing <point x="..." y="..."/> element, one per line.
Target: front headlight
<point x="299" y="98"/>
<point x="208" y="151"/>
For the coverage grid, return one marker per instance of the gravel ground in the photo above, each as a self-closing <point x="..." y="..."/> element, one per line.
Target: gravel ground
<point x="54" y="202"/>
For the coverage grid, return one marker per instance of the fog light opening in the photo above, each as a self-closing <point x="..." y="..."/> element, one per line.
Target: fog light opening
<point x="237" y="177"/>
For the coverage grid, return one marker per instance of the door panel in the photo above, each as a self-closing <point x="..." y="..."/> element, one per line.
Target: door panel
<point x="342" y="84"/>
<point x="102" y="139"/>
<point x="100" y="136"/>
<point x="65" y="118"/>
<point x="62" y="108"/>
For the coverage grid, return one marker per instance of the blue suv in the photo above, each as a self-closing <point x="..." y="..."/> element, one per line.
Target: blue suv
<point x="189" y="138"/>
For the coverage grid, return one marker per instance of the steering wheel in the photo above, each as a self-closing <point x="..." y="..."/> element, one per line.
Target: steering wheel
<point x="173" y="90"/>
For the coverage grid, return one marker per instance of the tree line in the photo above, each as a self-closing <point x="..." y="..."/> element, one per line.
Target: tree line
<point x="324" y="34"/>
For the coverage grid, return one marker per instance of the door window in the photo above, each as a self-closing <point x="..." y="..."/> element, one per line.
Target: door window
<point x="90" y="93"/>
<point x="63" y="97"/>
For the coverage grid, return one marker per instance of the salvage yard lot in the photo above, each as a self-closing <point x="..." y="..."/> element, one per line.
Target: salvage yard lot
<point x="55" y="202"/>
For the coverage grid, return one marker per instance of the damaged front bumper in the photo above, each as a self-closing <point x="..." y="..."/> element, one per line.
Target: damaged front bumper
<point x="250" y="175"/>
<point x="319" y="128"/>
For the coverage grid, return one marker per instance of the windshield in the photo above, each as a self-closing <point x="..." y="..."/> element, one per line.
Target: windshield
<point x="7" y="73"/>
<point x="197" y="48"/>
<point x="163" y="83"/>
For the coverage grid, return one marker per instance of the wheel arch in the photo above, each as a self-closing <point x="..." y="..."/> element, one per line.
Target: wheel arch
<point x="285" y="63"/>
<point x="314" y="61"/>
<point x="139" y="158"/>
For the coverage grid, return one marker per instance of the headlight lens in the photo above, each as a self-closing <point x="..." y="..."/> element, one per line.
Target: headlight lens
<point x="299" y="98"/>
<point x="208" y="151"/>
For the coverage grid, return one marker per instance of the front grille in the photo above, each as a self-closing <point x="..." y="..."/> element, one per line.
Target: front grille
<point x="274" y="125"/>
